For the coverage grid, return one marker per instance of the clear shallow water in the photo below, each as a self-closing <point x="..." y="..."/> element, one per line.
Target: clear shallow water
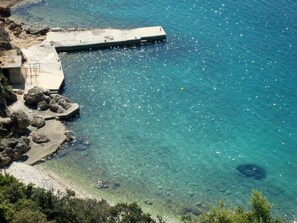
<point x="170" y="122"/>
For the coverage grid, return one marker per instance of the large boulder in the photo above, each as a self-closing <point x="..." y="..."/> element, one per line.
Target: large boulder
<point x="59" y="100"/>
<point x="40" y="138"/>
<point x="37" y="32"/>
<point x="20" y="121"/>
<point x="38" y="121"/>
<point x="8" y="152"/>
<point x="34" y="96"/>
<point x="22" y="146"/>
<point x="14" y="148"/>
<point x="42" y="106"/>
<point x="4" y="160"/>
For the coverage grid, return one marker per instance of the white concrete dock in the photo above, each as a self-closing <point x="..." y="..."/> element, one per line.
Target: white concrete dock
<point x="69" y="40"/>
<point x="43" y="67"/>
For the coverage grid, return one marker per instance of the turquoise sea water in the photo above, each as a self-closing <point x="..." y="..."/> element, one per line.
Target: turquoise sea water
<point x="168" y="123"/>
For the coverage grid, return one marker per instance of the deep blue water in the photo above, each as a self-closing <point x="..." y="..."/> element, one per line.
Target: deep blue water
<point x="170" y="122"/>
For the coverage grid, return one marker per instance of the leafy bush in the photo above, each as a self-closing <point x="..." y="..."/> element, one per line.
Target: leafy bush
<point x="22" y="204"/>
<point x="260" y="213"/>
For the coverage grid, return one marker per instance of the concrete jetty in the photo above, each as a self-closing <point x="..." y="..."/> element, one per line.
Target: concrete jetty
<point x="73" y="40"/>
<point x="43" y="67"/>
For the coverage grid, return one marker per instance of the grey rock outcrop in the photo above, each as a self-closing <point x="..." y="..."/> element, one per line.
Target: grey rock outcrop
<point x="38" y="122"/>
<point x="13" y="149"/>
<point x="23" y="145"/>
<point x="40" y="138"/>
<point x="60" y="101"/>
<point x="37" y="32"/>
<point x="43" y="100"/>
<point x="34" y="96"/>
<point x="4" y="160"/>
<point x="20" y="121"/>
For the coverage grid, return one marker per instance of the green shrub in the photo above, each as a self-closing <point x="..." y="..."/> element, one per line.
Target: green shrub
<point x="22" y="204"/>
<point x="260" y="213"/>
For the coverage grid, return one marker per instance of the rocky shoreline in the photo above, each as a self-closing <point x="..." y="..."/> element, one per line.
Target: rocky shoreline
<point x="30" y="126"/>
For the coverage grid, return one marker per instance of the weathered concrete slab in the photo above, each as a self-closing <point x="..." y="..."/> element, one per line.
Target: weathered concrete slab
<point x="43" y="67"/>
<point x="55" y="131"/>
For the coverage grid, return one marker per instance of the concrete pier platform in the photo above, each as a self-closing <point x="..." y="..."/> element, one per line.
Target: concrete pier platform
<point x="73" y="40"/>
<point x="43" y="67"/>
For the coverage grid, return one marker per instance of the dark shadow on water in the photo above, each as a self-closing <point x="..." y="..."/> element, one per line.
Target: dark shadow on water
<point x="253" y="171"/>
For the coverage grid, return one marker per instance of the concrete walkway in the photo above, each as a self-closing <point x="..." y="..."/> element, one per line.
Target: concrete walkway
<point x="71" y="40"/>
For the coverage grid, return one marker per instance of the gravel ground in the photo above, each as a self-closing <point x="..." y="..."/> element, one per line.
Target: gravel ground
<point x="42" y="178"/>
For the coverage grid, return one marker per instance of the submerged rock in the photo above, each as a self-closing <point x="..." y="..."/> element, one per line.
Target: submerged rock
<point x="102" y="184"/>
<point x="189" y="210"/>
<point x="148" y="202"/>
<point x="251" y="171"/>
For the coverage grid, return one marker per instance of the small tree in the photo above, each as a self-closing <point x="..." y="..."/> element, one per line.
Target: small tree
<point x="260" y="213"/>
